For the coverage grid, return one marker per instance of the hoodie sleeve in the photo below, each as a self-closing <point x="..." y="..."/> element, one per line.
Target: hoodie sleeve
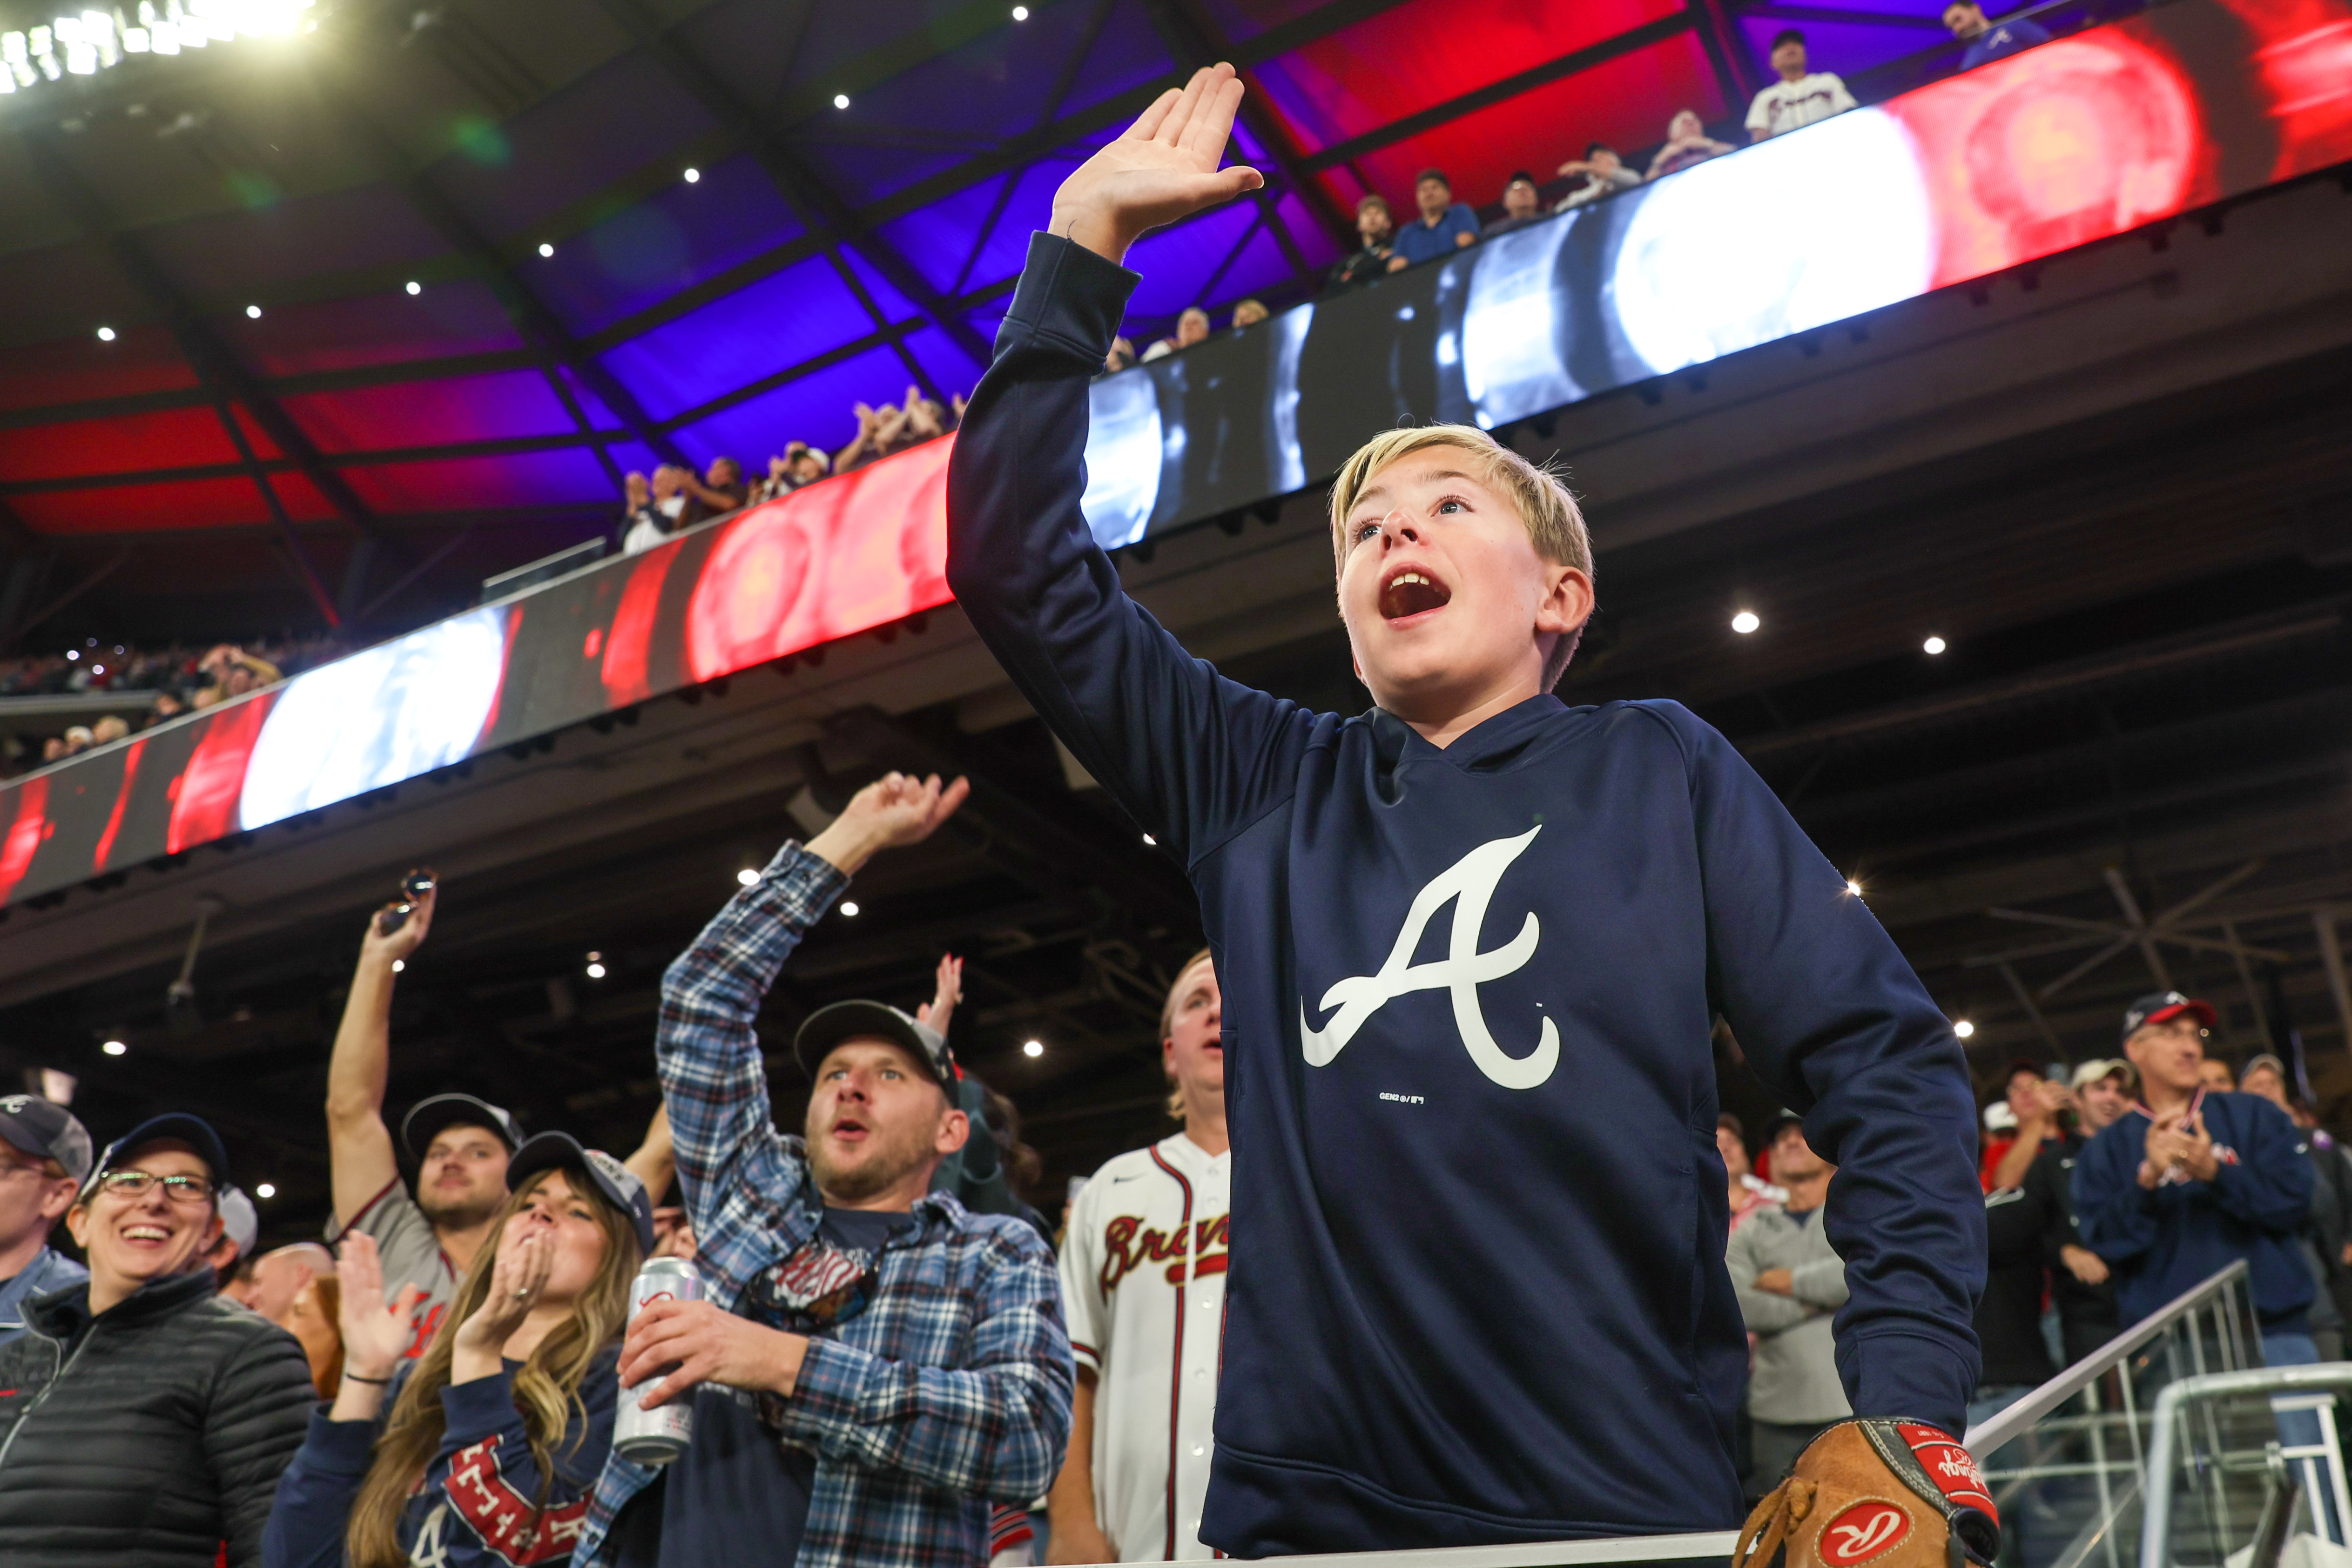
<point x="2269" y="1184"/>
<point x="2116" y="1217"/>
<point x="1192" y="756"/>
<point x="1834" y="1021"/>
<point x="313" y="1504"/>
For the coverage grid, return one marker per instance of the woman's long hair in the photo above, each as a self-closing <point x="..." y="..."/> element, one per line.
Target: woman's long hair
<point x="547" y="1388"/>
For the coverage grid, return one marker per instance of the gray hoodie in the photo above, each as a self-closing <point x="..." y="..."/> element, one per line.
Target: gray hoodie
<point x="1796" y="1379"/>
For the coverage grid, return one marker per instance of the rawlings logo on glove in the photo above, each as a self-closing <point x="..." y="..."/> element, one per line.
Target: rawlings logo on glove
<point x="1901" y="1494"/>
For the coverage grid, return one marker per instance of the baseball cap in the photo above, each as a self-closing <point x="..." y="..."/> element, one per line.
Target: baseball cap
<point x="428" y="1117"/>
<point x="45" y="1130"/>
<point x="239" y="1220"/>
<point x="617" y="1182"/>
<point x="829" y="1026"/>
<point x="1999" y="1118"/>
<point x="193" y="1131"/>
<point x="2091" y="1072"/>
<point x="2158" y="1005"/>
<point x="2264" y="1059"/>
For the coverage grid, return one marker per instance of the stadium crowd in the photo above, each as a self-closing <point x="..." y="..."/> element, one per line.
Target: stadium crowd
<point x="173" y="681"/>
<point x="888" y="1362"/>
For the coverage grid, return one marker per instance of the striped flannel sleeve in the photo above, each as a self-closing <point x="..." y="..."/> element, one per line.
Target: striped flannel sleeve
<point x="708" y="1051"/>
<point x="995" y="1426"/>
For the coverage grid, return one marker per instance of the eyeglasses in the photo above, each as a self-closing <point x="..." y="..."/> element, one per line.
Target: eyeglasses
<point x="136" y="1185"/>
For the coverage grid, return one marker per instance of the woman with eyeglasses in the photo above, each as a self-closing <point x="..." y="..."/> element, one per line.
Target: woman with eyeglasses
<point x="483" y="1451"/>
<point x="144" y="1420"/>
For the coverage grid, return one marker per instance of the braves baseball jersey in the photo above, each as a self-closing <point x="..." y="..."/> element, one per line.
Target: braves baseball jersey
<point x="411" y="1255"/>
<point x="1143" y="1282"/>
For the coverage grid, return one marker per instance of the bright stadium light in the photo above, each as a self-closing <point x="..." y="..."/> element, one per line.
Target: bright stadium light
<point x="1745" y="622"/>
<point x="414" y="287"/>
<point x="114" y="1047"/>
<point x="693" y="176"/>
<point x="1032" y="1049"/>
<point x="841" y="100"/>
<point x="265" y="1190"/>
<point x="1933" y="646"/>
<point x="1854" y="887"/>
<point x="1963" y="1028"/>
<point x="849" y="908"/>
<point x="398" y="965"/>
<point x="545" y="248"/>
<point x="106" y="334"/>
<point x="1021" y="13"/>
<point x="253" y="312"/>
<point x="747" y="876"/>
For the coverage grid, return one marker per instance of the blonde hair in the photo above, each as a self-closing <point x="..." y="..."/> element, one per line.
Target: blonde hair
<point x="1554" y="523"/>
<point x="1168" y="1026"/>
<point x="547" y="1388"/>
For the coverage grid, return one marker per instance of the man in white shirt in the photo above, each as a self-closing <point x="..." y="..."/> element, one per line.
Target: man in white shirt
<point x="1800" y="97"/>
<point x="1143" y="1282"/>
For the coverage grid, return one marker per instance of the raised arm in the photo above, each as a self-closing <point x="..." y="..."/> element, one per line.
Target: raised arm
<point x="655" y="1161"/>
<point x="1842" y="1030"/>
<point x="1190" y="755"/>
<point x="713" y="1085"/>
<point x="360" y="1159"/>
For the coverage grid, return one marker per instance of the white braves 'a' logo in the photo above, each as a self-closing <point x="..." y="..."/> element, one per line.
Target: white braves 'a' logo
<point x="1469" y="882"/>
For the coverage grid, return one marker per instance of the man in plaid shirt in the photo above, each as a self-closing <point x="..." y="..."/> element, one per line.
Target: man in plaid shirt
<point x="873" y="1363"/>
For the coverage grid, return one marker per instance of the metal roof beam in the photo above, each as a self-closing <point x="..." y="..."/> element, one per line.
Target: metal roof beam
<point x="813" y="202"/>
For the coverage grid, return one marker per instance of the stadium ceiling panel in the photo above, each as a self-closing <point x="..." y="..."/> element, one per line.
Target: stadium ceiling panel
<point x="401" y="274"/>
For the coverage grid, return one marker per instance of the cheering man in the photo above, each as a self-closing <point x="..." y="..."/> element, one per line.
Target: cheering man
<point x="1477" y="1293"/>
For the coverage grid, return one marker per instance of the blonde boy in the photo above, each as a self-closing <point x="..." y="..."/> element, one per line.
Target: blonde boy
<point x="1472" y="943"/>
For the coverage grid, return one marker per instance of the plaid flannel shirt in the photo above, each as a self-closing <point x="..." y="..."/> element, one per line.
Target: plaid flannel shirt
<point x="952" y="1387"/>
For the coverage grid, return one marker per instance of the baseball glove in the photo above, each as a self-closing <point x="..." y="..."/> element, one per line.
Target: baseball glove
<point x="1898" y="1494"/>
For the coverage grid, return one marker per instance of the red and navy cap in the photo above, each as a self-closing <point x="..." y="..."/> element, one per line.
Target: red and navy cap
<point x="2158" y="1005"/>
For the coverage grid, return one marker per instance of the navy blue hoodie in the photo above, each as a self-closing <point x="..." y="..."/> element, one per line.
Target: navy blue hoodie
<point x="1478" y="1290"/>
<point x="2163" y="1242"/>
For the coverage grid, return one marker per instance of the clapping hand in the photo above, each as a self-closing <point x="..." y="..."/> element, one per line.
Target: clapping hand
<point x="949" y="991"/>
<point x="375" y="1336"/>
<point x="1161" y="169"/>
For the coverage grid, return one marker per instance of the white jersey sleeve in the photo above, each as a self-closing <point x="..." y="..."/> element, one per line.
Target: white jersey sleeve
<point x="1088" y="1313"/>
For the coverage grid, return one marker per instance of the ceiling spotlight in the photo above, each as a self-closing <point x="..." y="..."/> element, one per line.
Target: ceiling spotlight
<point x="253" y="312"/>
<point x="1150" y="840"/>
<point x="1034" y="1048"/>
<point x="841" y="100"/>
<point x="595" y="971"/>
<point x="545" y="248"/>
<point x="1745" y="622"/>
<point x="114" y="1047"/>
<point x="1021" y="13"/>
<point x="106" y="334"/>
<point x="692" y="176"/>
<point x="72" y="653"/>
<point x="1963" y="1028"/>
<point x="1933" y="646"/>
<point x="398" y="965"/>
<point x="747" y="876"/>
<point x="849" y="907"/>
<point x="415" y="286"/>
<point x="264" y="1190"/>
<point x="1854" y="887"/>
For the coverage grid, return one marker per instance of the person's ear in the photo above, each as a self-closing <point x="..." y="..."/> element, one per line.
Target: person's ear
<point x="58" y="1199"/>
<point x="1568" y="599"/>
<point x="78" y="1226"/>
<point x="954" y="1129"/>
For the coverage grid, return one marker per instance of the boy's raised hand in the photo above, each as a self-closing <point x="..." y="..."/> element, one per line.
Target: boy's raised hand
<point x="1163" y="168"/>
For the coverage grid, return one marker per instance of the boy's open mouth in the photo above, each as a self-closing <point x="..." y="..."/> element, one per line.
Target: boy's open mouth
<point x="1411" y="590"/>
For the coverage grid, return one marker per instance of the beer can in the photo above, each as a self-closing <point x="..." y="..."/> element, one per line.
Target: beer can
<point x="656" y="1436"/>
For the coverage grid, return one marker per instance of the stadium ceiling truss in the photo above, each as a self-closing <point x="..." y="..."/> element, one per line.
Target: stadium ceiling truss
<point x="492" y="288"/>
